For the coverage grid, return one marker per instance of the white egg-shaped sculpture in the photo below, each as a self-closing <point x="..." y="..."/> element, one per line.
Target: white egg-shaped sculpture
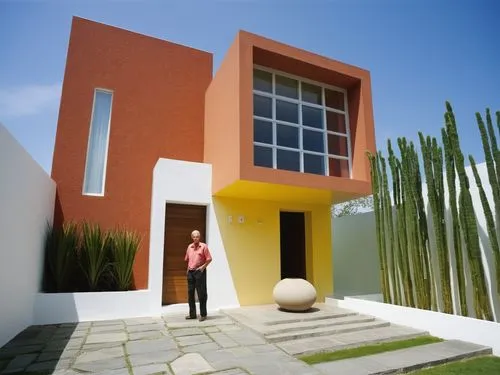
<point x="294" y="294"/>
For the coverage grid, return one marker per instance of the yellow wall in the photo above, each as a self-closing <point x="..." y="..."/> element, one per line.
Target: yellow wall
<point x="253" y="247"/>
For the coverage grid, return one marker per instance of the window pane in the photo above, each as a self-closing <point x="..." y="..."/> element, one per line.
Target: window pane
<point x="262" y="131"/>
<point x="338" y="167"/>
<point x="286" y="111"/>
<point x="314" y="164"/>
<point x="313" y="140"/>
<point x="262" y="81"/>
<point x="287" y="87"/>
<point x="263" y="156"/>
<point x="334" y="99"/>
<point x="289" y="160"/>
<point x="262" y="106"/>
<point x="98" y="144"/>
<point x="335" y="122"/>
<point x="311" y="93"/>
<point x="287" y="136"/>
<point x="337" y="145"/>
<point x="312" y="117"/>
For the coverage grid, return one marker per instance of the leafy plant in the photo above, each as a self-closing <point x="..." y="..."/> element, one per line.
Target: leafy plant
<point x="94" y="254"/>
<point x="60" y="251"/>
<point x="124" y="247"/>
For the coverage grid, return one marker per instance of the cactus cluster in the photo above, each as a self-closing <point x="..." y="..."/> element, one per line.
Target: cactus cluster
<point x="403" y="238"/>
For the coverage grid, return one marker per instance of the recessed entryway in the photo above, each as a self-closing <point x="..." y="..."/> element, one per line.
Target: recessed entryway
<point x="293" y="245"/>
<point x="180" y="221"/>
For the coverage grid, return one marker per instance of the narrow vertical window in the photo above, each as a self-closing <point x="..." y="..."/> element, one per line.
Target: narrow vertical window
<point x="97" y="150"/>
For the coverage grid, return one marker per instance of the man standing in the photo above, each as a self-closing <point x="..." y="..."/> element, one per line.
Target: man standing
<point x="198" y="258"/>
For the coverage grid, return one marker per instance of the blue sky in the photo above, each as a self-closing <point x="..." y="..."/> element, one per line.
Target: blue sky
<point x="419" y="53"/>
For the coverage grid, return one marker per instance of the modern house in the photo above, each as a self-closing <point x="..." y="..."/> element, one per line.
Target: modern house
<point x="252" y="156"/>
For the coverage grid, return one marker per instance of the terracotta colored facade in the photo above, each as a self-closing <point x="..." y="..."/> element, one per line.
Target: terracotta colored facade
<point x="232" y="91"/>
<point x="166" y="105"/>
<point x="157" y="111"/>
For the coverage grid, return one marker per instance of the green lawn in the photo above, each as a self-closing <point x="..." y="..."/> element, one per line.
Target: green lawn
<point x="476" y="366"/>
<point x="368" y="350"/>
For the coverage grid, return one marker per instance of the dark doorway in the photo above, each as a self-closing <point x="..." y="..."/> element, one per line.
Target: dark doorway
<point x="293" y="245"/>
<point x="180" y="221"/>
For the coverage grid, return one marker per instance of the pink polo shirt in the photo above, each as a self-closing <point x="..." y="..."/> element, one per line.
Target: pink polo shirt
<point x="197" y="256"/>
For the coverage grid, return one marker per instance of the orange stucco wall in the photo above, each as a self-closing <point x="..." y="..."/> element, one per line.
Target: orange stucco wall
<point x="158" y="111"/>
<point x="222" y="118"/>
<point x="255" y="49"/>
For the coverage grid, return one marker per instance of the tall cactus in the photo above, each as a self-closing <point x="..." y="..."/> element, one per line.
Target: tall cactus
<point x="374" y="172"/>
<point x="455" y="222"/>
<point x="390" y="234"/>
<point x="403" y="240"/>
<point x="491" y="154"/>
<point x="423" y="235"/>
<point x="415" y="232"/>
<point x="467" y="216"/>
<point x="433" y="166"/>
<point x="400" y="252"/>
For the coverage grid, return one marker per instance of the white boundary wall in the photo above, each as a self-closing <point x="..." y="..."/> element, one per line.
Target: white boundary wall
<point x="446" y="326"/>
<point x="439" y="324"/>
<point x="359" y="223"/>
<point x="27" y="197"/>
<point x="174" y="181"/>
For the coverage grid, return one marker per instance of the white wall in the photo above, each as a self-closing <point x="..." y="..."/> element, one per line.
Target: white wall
<point x="184" y="182"/>
<point x="351" y="227"/>
<point x="54" y="308"/>
<point x="446" y="326"/>
<point x="174" y="181"/>
<point x="355" y="260"/>
<point x="27" y="197"/>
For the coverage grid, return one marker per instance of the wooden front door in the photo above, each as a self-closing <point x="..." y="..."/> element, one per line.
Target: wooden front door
<point x="180" y="221"/>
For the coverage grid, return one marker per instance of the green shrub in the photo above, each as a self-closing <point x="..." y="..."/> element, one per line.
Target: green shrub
<point x="124" y="247"/>
<point x="83" y="257"/>
<point x="60" y="255"/>
<point x="94" y="252"/>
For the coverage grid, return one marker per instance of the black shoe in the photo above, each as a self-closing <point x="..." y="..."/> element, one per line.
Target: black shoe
<point x="202" y="318"/>
<point x="190" y="317"/>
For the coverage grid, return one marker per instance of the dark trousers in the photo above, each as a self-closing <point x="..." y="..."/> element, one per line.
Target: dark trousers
<point x="197" y="280"/>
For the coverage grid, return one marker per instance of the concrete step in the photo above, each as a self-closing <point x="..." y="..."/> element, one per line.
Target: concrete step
<point x="405" y="360"/>
<point x="306" y="317"/>
<point x="326" y="331"/>
<point x="263" y="316"/>
<point x="312" y="324"/>
<point x="348" y="340"/>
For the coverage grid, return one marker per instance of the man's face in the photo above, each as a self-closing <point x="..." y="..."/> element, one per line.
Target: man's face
<point x="195" y="237"/>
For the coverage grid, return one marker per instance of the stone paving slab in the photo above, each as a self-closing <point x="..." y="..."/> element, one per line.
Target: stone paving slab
<point x="179" y="321"/>
<point x="191" y="363"/>
<point x="157" y="357"/>
<point x="171" y="345"/>
<point x="152" y="369"/>
<point x="404" y="360"/>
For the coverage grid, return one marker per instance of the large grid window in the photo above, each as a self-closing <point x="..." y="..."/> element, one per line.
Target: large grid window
<point x="299" y="125"/>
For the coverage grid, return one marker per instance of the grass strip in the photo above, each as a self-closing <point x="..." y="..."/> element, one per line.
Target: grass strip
<point x="481" y="365"/>
<point x="365" y="350"/>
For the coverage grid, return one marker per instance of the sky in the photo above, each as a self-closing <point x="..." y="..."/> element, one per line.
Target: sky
<point x="419" y="53"/>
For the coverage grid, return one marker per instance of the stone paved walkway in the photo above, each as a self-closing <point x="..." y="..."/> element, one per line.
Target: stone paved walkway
<point x="168" y="345"/>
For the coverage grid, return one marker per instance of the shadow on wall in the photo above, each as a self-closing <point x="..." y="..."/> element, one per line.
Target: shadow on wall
<point x="356" y="266"/>
<point x="27" y="196"/>
<point x="489" y="263"/>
